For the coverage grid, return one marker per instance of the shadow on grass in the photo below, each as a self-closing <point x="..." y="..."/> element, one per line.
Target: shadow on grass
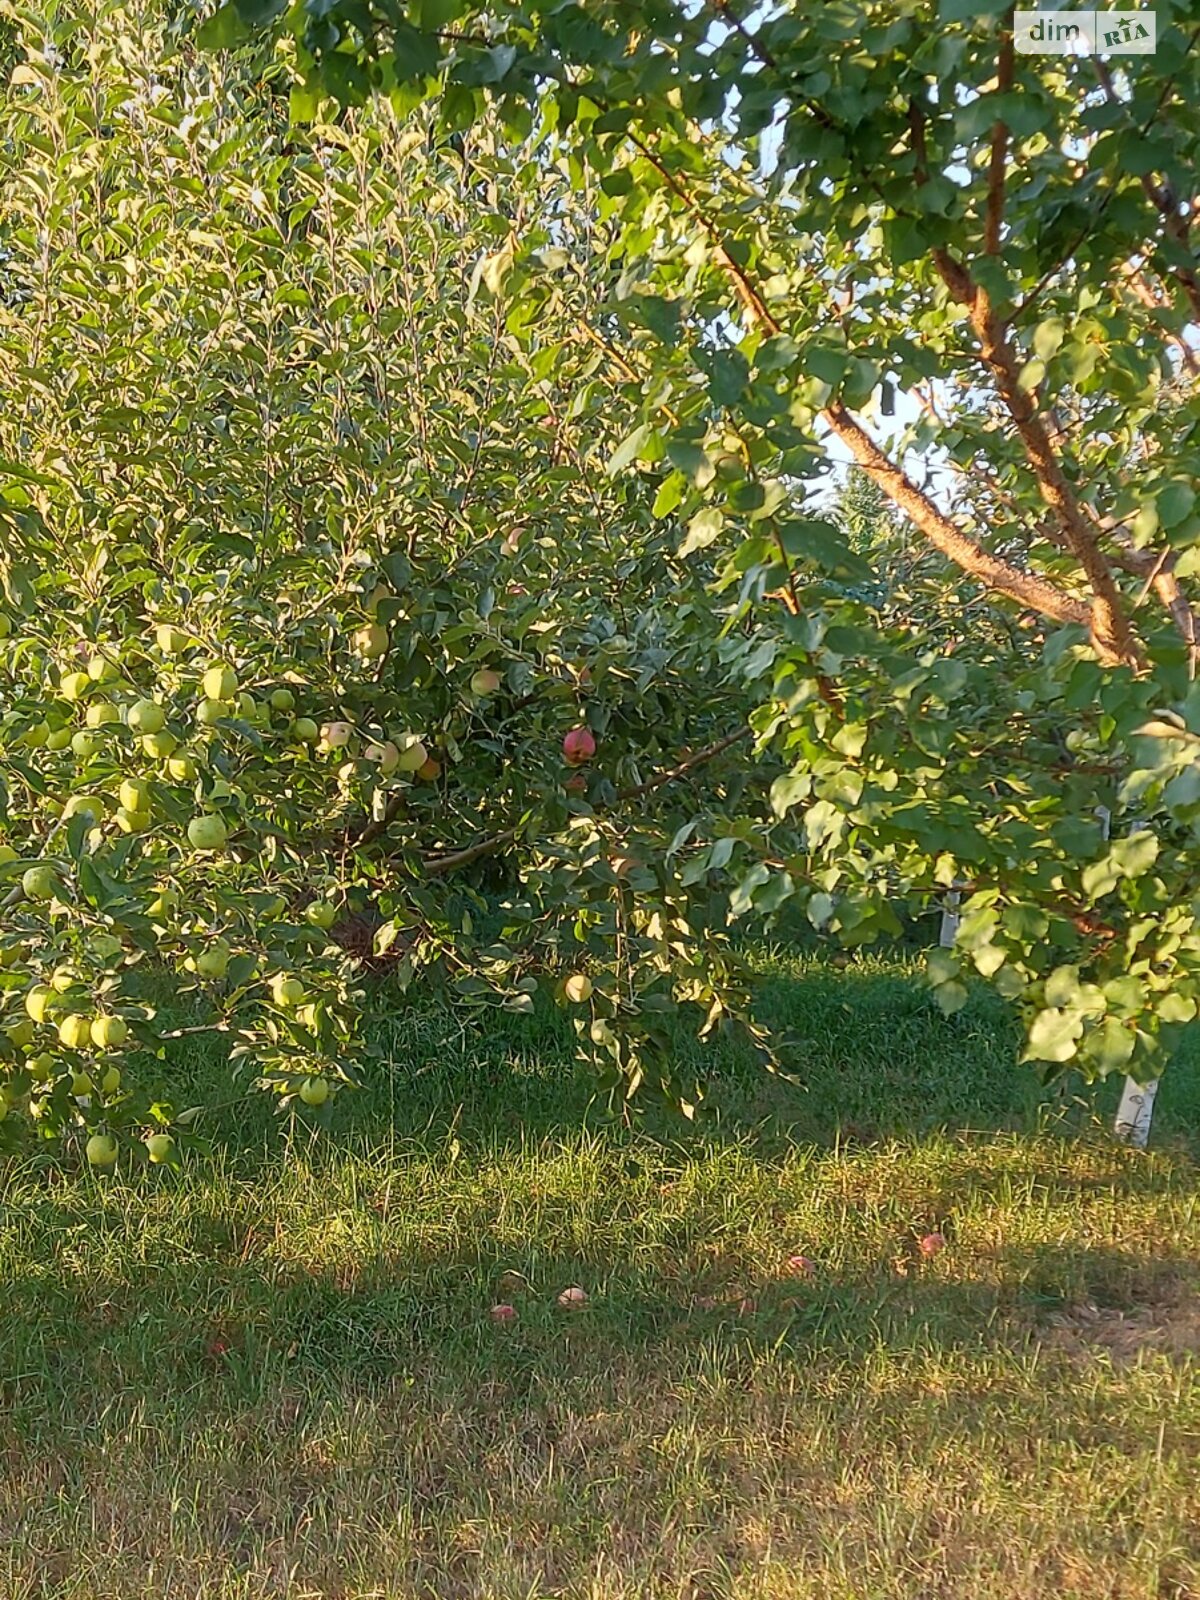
<point x="867" y="1053"/>
<point x="348" y="1272"/>
<point x="277" y="1371"/>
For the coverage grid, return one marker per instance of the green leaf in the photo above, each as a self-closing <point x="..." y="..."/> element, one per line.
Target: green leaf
<point x="703" y="529"/>
<point x="630" y="448"/>
<point x="951" y="997"/>
<point x="728" y="372"/>
<point x="1174" y="502"/>
<point x="1048" y="336"/>
<point x="1100" y="878"/>
<point x="1109" y="1047"/>
<point x="820" y="542"/>
<point x="1053" y="1036"/>
<point x="224" y="29"/>
<point x="1136" y="854"/>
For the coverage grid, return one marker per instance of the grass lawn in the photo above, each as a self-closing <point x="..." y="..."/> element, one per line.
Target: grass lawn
<point x="276" y="1374"/>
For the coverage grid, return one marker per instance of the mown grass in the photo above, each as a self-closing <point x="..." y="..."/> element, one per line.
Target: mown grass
<point x="275" y="1373"/>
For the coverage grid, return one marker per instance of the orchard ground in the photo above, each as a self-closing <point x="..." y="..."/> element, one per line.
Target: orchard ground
<point x="277" y="1374"/>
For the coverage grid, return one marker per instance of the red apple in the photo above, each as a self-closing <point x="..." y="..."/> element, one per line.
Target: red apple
<point x="932" y="1243"/>
<point x="579" y="746"/>
<point x="504" y="1313"/>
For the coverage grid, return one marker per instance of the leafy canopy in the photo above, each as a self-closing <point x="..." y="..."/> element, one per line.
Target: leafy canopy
<point x="328" y="637"/>
<point x="807" y="208"/>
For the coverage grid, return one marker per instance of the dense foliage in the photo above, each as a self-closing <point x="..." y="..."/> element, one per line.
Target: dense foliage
<point x="329" y="639"/>
<point x="428" y="419"/>
<point x="812" y="208"/>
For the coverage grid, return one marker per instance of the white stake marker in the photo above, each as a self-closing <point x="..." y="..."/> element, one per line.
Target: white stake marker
<point x="1132" y="1125"/>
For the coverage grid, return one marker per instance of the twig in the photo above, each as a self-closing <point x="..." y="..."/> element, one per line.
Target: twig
<point x="435" y="866"/>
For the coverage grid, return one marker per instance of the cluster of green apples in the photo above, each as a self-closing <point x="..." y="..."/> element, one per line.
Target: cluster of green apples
<point x="71" y="1047"/>
<point x="147" y="784"/>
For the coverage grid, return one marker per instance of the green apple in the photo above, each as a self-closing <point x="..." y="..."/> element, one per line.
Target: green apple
<point x="287" y="991"/>
<point x="40" y="882"/>
<point x="165" y="901"/>
<point x="133" y="821"/>
<point x="181" y="768"/>
<point x="413" y="754"/>
<point x="38" y="1001"/>
<point x="100" y="713"/>
<point x="219" y="683"/>
<point x="41" y="1067"/>
<point x="314" y="1091"/>
<point x="159" y="745"/>
<point x="304" y="730"/>
<point x="207" y="832"/>
<point x="169" y="640"/>
<point x="147" y="716"/>
<point x="85" y="805"/>
<point x="160" y="1147"/>
<point x="321" y="913"/>
<point x="81" y="1083"/>
<point x="35" y="736"/>
<point x="74" y="685"/>
<point x="7" y="854"/>
<point x="248" y="707"/>
<point x="578" y="988"/>
<point x="101" y="1150"/>
<point x="111" y="1081"/>
<point x="209" y="712"/>
<point x="109" y="1033"/>
<point x="213" y="960"/>
<point x="63" y="978"/>
<point x="387" y="756"/>
<point x="75" y="1031"/>
<point x="84" y="745"/>
<point x="485" y="682"/>
<point x="336" y="735"/>
<point x="371" y="641"/>
<point x="134" y="794"/>
<point x="102" y="670"/>
<point x="282" y="700"/>
<point x="58" y="739"/>
<point x="21" y="1034"/>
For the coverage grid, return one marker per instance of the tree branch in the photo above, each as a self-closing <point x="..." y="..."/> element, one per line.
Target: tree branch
<point x="1109" y="625"/>
<point x="437" y="866"/>
<point x="698" y="759"/>
<point x="1135" y="277"/>
<point x="994" y="216"/>
<point x="1024" y="587"/>
<point x="1160" y="195"/>
<point x="1027" y="589"/>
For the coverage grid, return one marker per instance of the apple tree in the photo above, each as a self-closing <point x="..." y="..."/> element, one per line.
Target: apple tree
<point x="808" y="211"/>
<point x="328" y="638"/>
